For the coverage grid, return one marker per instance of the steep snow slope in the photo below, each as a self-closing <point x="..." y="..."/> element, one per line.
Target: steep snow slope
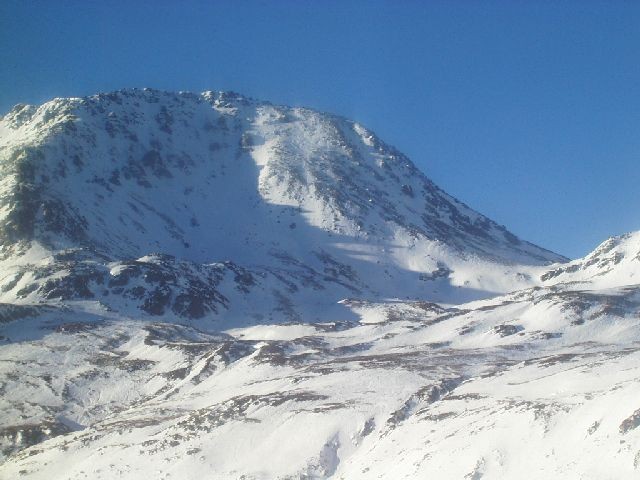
<point x="197" y="205"/>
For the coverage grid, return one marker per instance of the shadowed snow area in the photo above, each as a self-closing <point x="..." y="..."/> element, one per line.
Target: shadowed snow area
<point x="199" y="286"/>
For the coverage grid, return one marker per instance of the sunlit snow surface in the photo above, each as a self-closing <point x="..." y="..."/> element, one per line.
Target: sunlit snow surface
<point x="169" y="322"/>
<point x="542" y="383"/>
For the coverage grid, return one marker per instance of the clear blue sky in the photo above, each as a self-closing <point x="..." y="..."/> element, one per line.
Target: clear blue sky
<point x="528" y="111"/>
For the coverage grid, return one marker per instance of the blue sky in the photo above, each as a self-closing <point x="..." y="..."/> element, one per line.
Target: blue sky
<point x="528" y="111"/>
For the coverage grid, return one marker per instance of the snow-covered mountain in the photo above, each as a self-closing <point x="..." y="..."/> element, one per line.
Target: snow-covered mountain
<point x="200" y="286"/>
<point x="613" y="264"/>
<point x="223" y="207"/>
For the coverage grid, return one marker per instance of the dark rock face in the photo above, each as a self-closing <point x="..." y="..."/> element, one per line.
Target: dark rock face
<point x="24" y="436"/>
<point x="506" y="330"/>
<point x="185" y="289"/>
<point x="10" y="312"/>
<point x="157" y="286"/>
<point x="631" y="422"/>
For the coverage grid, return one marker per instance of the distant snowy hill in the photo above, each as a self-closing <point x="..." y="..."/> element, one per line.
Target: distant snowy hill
<point x="208" y="286"/>
<point x="613" y="264"/>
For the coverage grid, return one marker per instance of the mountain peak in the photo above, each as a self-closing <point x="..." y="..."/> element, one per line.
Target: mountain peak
<point x="218" y="177"/>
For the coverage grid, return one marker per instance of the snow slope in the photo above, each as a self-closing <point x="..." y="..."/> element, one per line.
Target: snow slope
<point x="542" y="383"/>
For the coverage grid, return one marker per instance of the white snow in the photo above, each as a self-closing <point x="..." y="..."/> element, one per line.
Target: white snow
<point x="360" y="323"/>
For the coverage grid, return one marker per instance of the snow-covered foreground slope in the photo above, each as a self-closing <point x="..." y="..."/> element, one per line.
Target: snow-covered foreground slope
<point x="543" y="383"/>
<point x="207" y="286"/>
